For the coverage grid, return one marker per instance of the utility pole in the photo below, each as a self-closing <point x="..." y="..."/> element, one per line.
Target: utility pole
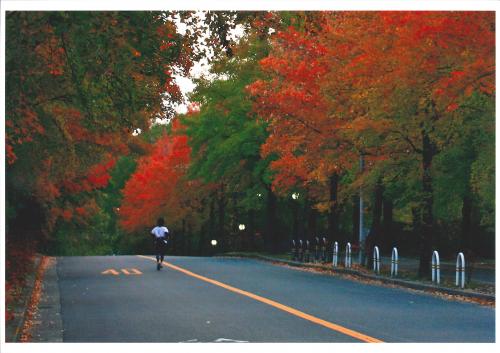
<point x="361" y="255"/>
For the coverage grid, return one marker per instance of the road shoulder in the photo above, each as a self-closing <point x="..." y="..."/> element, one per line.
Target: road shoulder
<point x="14" y="327"/>
<point x="357" y="275"/>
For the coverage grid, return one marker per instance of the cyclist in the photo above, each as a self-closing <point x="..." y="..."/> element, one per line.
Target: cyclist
<point x="160" y="234"/>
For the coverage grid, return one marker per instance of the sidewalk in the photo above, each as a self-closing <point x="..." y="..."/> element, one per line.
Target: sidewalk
<point x="446" y="287"/>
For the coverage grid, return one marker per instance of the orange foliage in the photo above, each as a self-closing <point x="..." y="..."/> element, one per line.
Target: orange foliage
<point x="302" y="132"/>
<point x="331" y="93"/>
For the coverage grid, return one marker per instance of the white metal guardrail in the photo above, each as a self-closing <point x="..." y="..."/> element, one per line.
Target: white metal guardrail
<point x="348" y="257"/>
<point x="335" y="261"/>
<point x="394" y="262"/>
<point x="376" y="260"/>
<point x="435" y="267"/>
<point x="460" y="271"/>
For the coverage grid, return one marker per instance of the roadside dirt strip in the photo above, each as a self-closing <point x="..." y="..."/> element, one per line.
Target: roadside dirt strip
<point x="25" y="334"/>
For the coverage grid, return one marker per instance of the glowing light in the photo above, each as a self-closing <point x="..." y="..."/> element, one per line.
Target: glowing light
<point x="241" y="227"/>
<point x="295" y="195"/>
<point x="213" y="242"/>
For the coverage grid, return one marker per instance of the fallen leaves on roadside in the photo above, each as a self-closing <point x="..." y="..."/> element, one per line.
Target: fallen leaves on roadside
<point x="34" y="300"/>
<point x="352" y="277"/>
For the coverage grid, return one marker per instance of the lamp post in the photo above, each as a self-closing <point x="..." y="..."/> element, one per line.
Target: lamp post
<point x="361" y="255"/>
<point x="295" y="197"/>
<point x="212" y="251"/>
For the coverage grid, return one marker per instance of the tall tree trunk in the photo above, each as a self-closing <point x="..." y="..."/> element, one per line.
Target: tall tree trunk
<point x="355" y="219"/>
<point x="377" y="214"/>
<point x="184" y="237"/>
<point x="201" y="243"/>
<point x="465" y="241"/>
<point x="388" y="223"/>
<point x="221" y="201"/>
<point x="312" y="228"/>
<point x="374" y="237"/>
<point x="235" y="234"/>
<point x="191" y="249"/>
<point x="211" y="225"/>
<point x="427" y="226"/>
<point x="271" y="238"/>
<point x="333" y="215"/>
<point x="295" y="220"/>
<point x="251" y="231"/>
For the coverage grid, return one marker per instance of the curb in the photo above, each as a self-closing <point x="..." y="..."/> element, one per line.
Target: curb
<point x="400" y="282"/>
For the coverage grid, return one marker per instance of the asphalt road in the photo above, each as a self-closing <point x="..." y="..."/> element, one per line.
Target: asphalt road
<point x="193" y="299"/>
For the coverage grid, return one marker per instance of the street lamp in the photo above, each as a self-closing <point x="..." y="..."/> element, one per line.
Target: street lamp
<point x="213" y="242"/>
<point x="241" y="226"/>
<point x="295" y="197"/>
<point x="362" y="236"/>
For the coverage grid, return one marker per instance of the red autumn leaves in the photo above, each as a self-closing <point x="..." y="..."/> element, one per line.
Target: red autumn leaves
<point x="154" y="187"/>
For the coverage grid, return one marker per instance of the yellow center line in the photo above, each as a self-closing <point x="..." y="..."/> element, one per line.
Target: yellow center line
<point x="275" y="304"/>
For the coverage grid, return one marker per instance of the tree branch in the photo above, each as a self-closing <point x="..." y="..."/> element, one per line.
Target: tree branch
<point x="303" y="122"/>
<point x="407" y="139"/>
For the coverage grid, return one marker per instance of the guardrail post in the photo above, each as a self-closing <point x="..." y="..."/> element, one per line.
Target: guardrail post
<point x="301" y="251"/>
<point x="394" y="262"/>
<point x="376" y="260"/>
<point x="348" y="258"/>
<point x="460" y="271"/>
<point x="435" y="267"/>
<point x="335" y="254"/>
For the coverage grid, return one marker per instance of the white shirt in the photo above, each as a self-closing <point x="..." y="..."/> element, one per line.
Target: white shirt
<point x="159" y="232"/>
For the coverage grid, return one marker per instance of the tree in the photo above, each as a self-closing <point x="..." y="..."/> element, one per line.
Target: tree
<point x="308" y="141"/>
<point x="152" y="189"/>
<point x="78" y="84"/>
<point x="417" y="70"/>
<point x="226" y="137"/>
<point x="386" y="85"/>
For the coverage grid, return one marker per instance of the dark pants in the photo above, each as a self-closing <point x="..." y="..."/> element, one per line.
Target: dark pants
<point x="160" y="247"/>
